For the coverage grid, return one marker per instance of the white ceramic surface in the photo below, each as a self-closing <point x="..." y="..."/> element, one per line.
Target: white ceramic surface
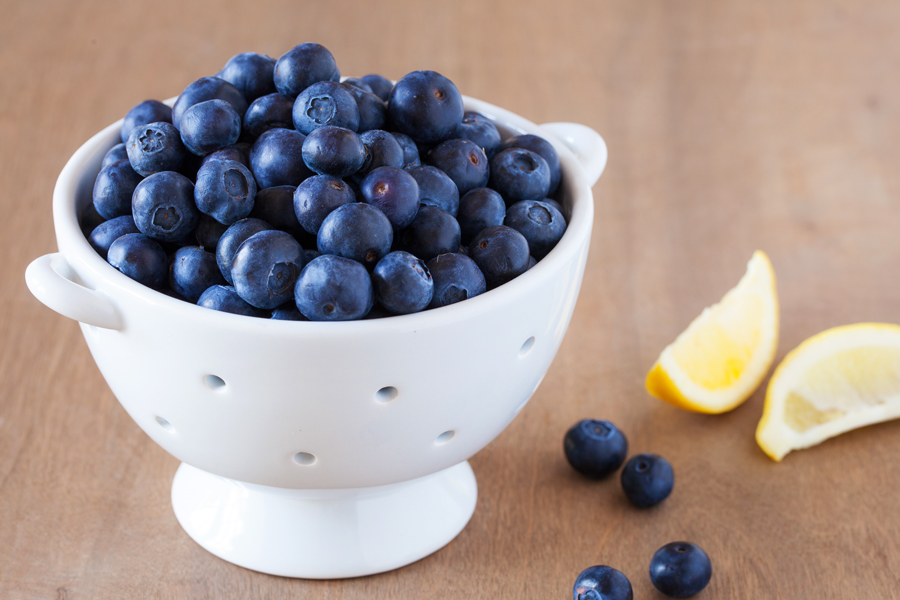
<point x="274" y="416"/>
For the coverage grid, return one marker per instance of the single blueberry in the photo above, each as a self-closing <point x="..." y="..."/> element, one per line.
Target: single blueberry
<point x="541" y="224"/>
<point x="501" y="253"/>
<point x="334" y="151"/>
<point x="230" y="241"/>
<point x="113" y="189"/>
<point x="193" y="271"/>
<point x="208" y="232"/>
<point x="463" y="162"/>
<point x="479" y="209"/>
<point x="89" y="219"/>
<point x="595" y="448"/>
<point x="288" y="312"/>
<point x="333" y="288"/>
<point x="372" y="111"/>
<point x="115" y="154"/>
<point x="275" y="206"/>
<point x="276" y="158"/>
<point x="426" y="106"/>
<point x="163" y="206"/>
<point x="208" y="88"/>
<point x="272" y="111"/>
<point x="265" y="268"/>
<point x="434" y="231"/>
<point x="542" y="148"/>
<point x="325" y="103"/>
<point x="251" y="73"/>
<point x="519" y="174"/>
<point x="316" y="197"/>
<point x="302" y="66"/>
<point x="148" y="111"/>
<point x="225" y="299"/>
<point x="602" y="583"/>
<point x="456" y="278"/>
<point x="410" y="150"/>
<point x="356" y="231"/>
<point x="239" y="152"/>
<point x="225" y="190"/>
<point x="394" y="192"/>
<point x="381" y="86"/>
<point x="647" y="480"/>
<point x="477" y="128"/>
<point x="358" y="84"/>
<point x="210" y="125"/>
<point x="154" y="148"/>
<point x="680" y="569"/>
<point x="436" y="188"/>
<point x="107" y="232"/>
<point x="140" y="258"/>
<point x="402" y="283"/>
<point x="382" y="150"/>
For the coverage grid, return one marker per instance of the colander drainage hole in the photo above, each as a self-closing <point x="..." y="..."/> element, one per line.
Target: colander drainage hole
<point x="305" y="459"/>
<point x="165" y="424"/>
<point x="444" y="437"/>
<point x="526" y="347"/>
<point x="386" y="394"/>
<point x="214" y="382"/>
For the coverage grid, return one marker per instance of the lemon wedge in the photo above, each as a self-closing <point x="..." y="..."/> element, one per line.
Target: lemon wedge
<point x="835" y="381"/>
<point x="724" y="354"/>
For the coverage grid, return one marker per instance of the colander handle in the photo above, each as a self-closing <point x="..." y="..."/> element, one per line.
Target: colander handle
<point x="586" y="144"/>
<point x="49" y="279"/>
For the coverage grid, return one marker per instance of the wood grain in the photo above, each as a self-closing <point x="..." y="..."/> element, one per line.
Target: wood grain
<point x="731" y="127"/>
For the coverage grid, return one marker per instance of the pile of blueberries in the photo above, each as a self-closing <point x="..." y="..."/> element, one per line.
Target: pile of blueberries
<point x="275" y="190"/>
<point x="597" y="449"/>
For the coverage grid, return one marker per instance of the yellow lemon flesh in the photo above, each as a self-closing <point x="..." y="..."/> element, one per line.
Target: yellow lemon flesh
<point x="724" y="354"/>
<point x="835" y="381"/>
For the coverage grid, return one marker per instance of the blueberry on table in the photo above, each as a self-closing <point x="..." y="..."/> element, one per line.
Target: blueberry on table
<point x="435" y="188"/>
<point x="107" y="232"/>
<point x="501" y="253"/>
<point x="163" y="206"/>
<point x="251" y="73"/>
<point x="434" y="231"/>
<point x="273" y="111"/>
<point x="540" y="222"/>
<point x="479" y="209"/>
<point x="372" y="111"/>
<point x="275" y="206"/>
<point x="140" y="258"/>
<point x="333" y="288"/>
<point x="113" y="189"/>
<point x="208" y="232"/>
<point x="225" y="299"/>
<point x="542" y="148"/>
<point x="208" y="88"/>
<point x="402" y="283"/>
<point x="394" y="192"/>
<point x="276" y="158"/>
<point x="647" y="480"/>
<point x="325" y="103"/>
<point x="154" y="148"/>
<point x="426" y="106"/>
<point x="602" y="583"/>
<point x="680" y="569"/>
<point x="381" y="86"/>
<point x="225" y="190"/>
<point x="356" y="231"/>
<point x="193" y="271"/>
<point x="382" y="150"/>
<point x="302" y="66"/>
<point x="265" y="268"/>
<point x="456" y="278"/>
<point x="334" y="151"/>
<point x="462" y="161"/>
<point x="115" y="154"/>
<point x="148" y="111"/>
<point x="595" y="448"/>
<point x="477" y="128"/>
<point x="410" y="150"/>
<point x="519" y="174"/>
<point x="230" y="241"/>
<point x="315" y="198"/>
<point x="210" y="125"/>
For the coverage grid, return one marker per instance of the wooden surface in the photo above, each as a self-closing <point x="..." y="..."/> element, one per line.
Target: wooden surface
<point x="771" y="125"/>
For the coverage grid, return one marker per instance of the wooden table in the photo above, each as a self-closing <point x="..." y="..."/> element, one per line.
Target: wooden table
<point x="771" y="125"/>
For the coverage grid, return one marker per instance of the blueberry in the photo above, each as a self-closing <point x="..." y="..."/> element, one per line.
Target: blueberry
<point x="302" y="66"/>
<point x="463" y="162"/>
<point x="333" y="288"/>
<point x="208" y="88"/>
<point x="356" y="231"/>
<point x="381" y="86"/>
<point x="602" y="583"/>
<point x="595" y="448"/>
<point x="154" y="148"/>
<point x="192" y="271"/>
<point x="115" y="154"/>
<point x="275" y="206"/>
<point x="265" y="268"/>
<point x="531" y="263"/>
<point x="113" y="189"/>
<point x="426" y="106"/>
<point x="647" y="480"/>
<point x="542" y="148"/>
<point x="107" y="232"/>
<point x="501" y="253"/>
<point x="273" y="111"/>
<point x="382" y="150"/>
<point x="334" y="151"/>
<point x="456" y="278"/>
<point x="434" y="231"/>
<point x="225" y="299"/>
<point x="208" y="232"/>
<point x="325" y="103"/>
<point x="208" y="126"/>
<point x="372" y="111"/>
<point x="358" y="84"/>
<point x="148" y="111"/>
<point x="436" y="188"/>
<point x="410" y="150"/>
<point x="231" y="240"/>
<point x="276" y="158"/>
<point x="541" y="224"/>
<point x="519" y="174"/>
<point x="680" y="569"/>
<point x="89" y="219"/>
<point x="225" y="190"/>
<point x="251" y="73"/>
<point x="394" y="192"/>
<point x="163" y="206"/>
<point x="316" y="197"/>
<point x="140" y="258"/>
<point x="288" y="312"/>
<point x="402" y="283"/>
<point x="477" y="128"/>
<point x="479" y="209"/>
<point x="239" y="152"/>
